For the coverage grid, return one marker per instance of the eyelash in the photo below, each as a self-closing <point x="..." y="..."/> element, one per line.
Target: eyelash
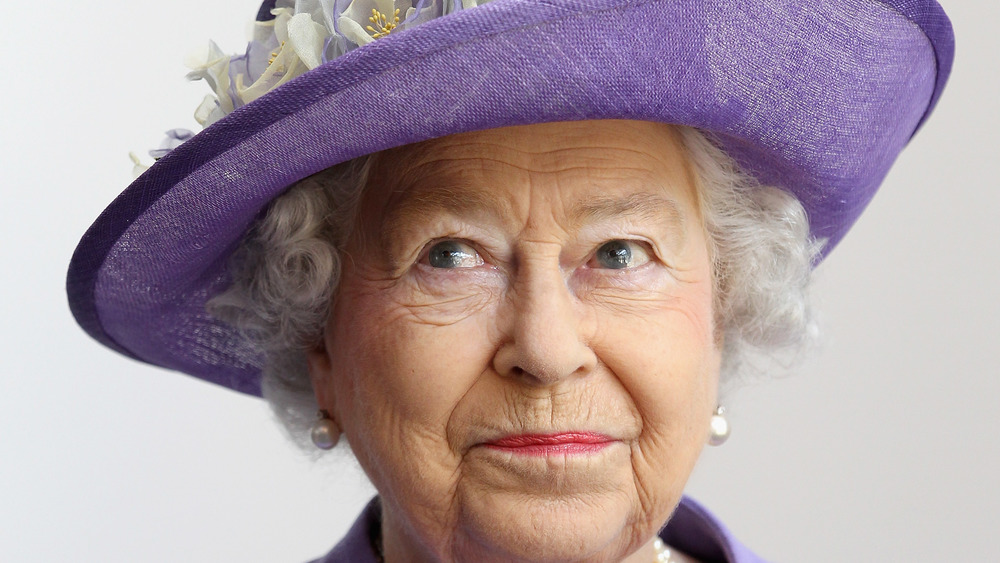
<point x="630" y="249"/>
<point x="426" y="255"/>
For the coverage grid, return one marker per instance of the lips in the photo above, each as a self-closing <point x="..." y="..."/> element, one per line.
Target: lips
<point x="571" y="443"/>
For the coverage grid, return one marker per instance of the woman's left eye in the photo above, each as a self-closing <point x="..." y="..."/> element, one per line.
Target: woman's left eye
<point x="453" y="254"/>
<point x="620" y="254"/>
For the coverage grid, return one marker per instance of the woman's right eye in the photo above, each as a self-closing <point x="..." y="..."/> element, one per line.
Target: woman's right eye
<point x="453" y="254"/>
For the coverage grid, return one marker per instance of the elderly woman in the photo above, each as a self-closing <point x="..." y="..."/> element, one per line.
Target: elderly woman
<point x="510" y="251"/>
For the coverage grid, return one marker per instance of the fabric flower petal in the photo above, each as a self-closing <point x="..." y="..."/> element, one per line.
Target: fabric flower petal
<point x="215" y="70"/>
<point x="307" y="38"/>
<point x="285" y="66"/>
<point x="302" y="35"/>
<point x="280" y="21"/>
<point x="209" y="111"/>
<point x="430" y="10"/>
<point x="353" y="31"/>
<point x="174" y="138"/>
<point x="137" y="166"/>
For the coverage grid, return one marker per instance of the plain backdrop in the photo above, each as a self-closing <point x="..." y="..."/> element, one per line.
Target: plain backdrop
<point x="882" y="447"/>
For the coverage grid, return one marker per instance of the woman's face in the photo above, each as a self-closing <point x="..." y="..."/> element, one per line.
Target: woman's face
<point x="521" y="351"/>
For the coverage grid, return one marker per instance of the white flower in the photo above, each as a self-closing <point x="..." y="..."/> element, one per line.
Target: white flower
<point x="138" y="167"/>
<point x="301" y="38"/>
<point x="283" y="61"/>
<point x="214" y="69"/>
<point x="307" y="38"/>
<point x="364" y="21"/>
<point x="303" y="35"/>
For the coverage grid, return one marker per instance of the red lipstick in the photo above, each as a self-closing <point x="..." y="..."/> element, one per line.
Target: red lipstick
<point x="551" y="444"/>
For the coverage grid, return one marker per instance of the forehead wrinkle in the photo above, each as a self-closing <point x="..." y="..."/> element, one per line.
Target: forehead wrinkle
<point x="639" y="206"/>
<point x="426" y="182"/>
<point x="531" y="156"/>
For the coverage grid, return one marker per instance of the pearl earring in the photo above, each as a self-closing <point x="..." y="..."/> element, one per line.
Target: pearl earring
<point x="718" y="428"/>
<point x="325" y="433"/>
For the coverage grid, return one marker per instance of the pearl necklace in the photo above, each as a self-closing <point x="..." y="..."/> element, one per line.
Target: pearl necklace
<point x="663" y="553"/>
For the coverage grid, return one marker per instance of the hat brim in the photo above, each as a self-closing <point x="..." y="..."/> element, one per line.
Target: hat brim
<point x="815" y="97"/>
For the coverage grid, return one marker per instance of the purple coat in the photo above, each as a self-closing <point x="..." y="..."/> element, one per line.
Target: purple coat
<point x="691" y="530"/>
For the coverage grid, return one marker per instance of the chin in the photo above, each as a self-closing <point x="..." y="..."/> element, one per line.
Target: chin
<point x="594" y="527"/>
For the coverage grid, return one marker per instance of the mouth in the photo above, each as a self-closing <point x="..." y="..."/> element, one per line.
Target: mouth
<point x="563" y="443"/>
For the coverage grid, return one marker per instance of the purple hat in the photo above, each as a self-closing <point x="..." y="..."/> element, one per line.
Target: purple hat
<point x="814" y="96"/>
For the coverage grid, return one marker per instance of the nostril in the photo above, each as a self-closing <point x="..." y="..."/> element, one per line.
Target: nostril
<point x="543" y="338"/>
<point x="519" y="372"/>
<point x="542" y="372"/>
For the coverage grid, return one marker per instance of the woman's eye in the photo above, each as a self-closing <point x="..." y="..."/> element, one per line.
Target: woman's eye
<point x="453" y="254"/>
<point x="620" y="254"/>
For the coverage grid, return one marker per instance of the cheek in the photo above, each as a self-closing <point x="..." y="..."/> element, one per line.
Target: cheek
<point x="667" y="359"/>
<point x="397" y="381"/>
<point x="413" y="339"/>
<point x="393" y="358"/>
<point x="668" y="344"/>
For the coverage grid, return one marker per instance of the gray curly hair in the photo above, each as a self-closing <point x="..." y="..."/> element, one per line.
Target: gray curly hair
<point x="287" y="269"/>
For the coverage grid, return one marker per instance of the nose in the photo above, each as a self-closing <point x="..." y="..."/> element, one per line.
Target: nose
<point x="544" y="340"/>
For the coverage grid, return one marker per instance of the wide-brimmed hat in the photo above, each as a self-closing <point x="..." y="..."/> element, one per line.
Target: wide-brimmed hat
<point x="817" y="97"/>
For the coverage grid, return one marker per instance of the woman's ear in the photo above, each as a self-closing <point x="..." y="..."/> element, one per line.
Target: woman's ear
<point x="318" y="363"/>
<point x="325" y="431"/>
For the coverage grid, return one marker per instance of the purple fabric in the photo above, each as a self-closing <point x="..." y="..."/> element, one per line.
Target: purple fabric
<point x="692" y="529"/>
<point x="815" y="96"/>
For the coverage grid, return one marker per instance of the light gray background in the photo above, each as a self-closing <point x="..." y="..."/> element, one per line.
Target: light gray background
<point x="883" y="447"/>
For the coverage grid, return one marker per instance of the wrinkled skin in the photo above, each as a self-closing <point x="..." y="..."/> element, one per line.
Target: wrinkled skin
<point x="480" y="298"/>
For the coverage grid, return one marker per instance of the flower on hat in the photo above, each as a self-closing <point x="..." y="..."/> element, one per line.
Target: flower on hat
<point x="215" y="71"/>
<point x="300" y="38"/>
<point x="281" y="49"/>
<point x="364" y="21"/>
<point x="302" y="35"/>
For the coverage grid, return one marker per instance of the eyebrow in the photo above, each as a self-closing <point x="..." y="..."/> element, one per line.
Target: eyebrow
<point x="642" y="206"/>
<point x="450" y="197"/>
<point x="456" y="199"/>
